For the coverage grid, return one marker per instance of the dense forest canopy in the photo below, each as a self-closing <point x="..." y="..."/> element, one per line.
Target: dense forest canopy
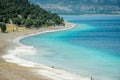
<point x="22" y="12"/>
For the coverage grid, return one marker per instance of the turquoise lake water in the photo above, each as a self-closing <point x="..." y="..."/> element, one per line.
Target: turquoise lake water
<point x="92" y="48"/>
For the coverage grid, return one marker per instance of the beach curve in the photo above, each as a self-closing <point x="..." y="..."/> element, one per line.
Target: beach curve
<point x="55" y="74"/>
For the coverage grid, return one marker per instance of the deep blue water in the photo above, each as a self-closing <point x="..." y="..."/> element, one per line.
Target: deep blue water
<point x="92" y="48"/>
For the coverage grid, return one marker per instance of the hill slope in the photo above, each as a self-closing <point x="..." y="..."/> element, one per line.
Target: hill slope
<point x="22" y="12"/>
<point x="80" y="6"/>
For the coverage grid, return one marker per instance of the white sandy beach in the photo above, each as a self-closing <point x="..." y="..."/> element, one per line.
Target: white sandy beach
<point x="13" y="54"/>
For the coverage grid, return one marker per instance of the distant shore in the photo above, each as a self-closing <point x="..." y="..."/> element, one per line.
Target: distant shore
<point x="28" y="70"/>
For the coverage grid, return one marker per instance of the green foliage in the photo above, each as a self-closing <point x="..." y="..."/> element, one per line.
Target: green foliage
<point x="3" y="27"/>
<point x="28" y="23"/>
<point x="16" y="21"/>
<point x="37" y="23"/>
<point x="22" y="12"/>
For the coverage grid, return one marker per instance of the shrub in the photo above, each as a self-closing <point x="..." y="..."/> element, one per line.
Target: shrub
<point x="3" y="27"/>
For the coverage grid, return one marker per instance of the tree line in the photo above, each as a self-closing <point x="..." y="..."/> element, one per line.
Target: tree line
<point x="25" y="13"/>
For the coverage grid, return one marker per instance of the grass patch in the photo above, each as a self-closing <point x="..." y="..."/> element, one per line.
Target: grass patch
<point x="12" y="28"/>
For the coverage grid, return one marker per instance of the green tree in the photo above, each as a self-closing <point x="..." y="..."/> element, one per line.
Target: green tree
<point x="16" y="21"/>
<point x="28" y="23"/>
<point x="1" y="18"/>
<point x="3" y="27"/>
<point x="22" y="12"/>
<point x="49" y="23"/>
<point x="37" y="24"/>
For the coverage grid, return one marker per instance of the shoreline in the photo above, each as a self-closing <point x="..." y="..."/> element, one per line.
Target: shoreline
<point x="17" y="40"/>
<point x="12" y="57"/>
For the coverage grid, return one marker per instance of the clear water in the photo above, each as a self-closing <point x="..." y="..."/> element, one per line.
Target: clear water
<point x="92" y="48"/>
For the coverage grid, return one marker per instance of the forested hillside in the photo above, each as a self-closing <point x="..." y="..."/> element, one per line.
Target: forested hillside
<point x="24" y="13"/>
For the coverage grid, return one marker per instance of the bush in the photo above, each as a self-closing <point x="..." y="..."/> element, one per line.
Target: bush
<point x="28" y="23"/>
<point x="3" y="27"/>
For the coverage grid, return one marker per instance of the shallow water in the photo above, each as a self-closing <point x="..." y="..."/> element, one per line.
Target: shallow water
<point x="90" y="49"/>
